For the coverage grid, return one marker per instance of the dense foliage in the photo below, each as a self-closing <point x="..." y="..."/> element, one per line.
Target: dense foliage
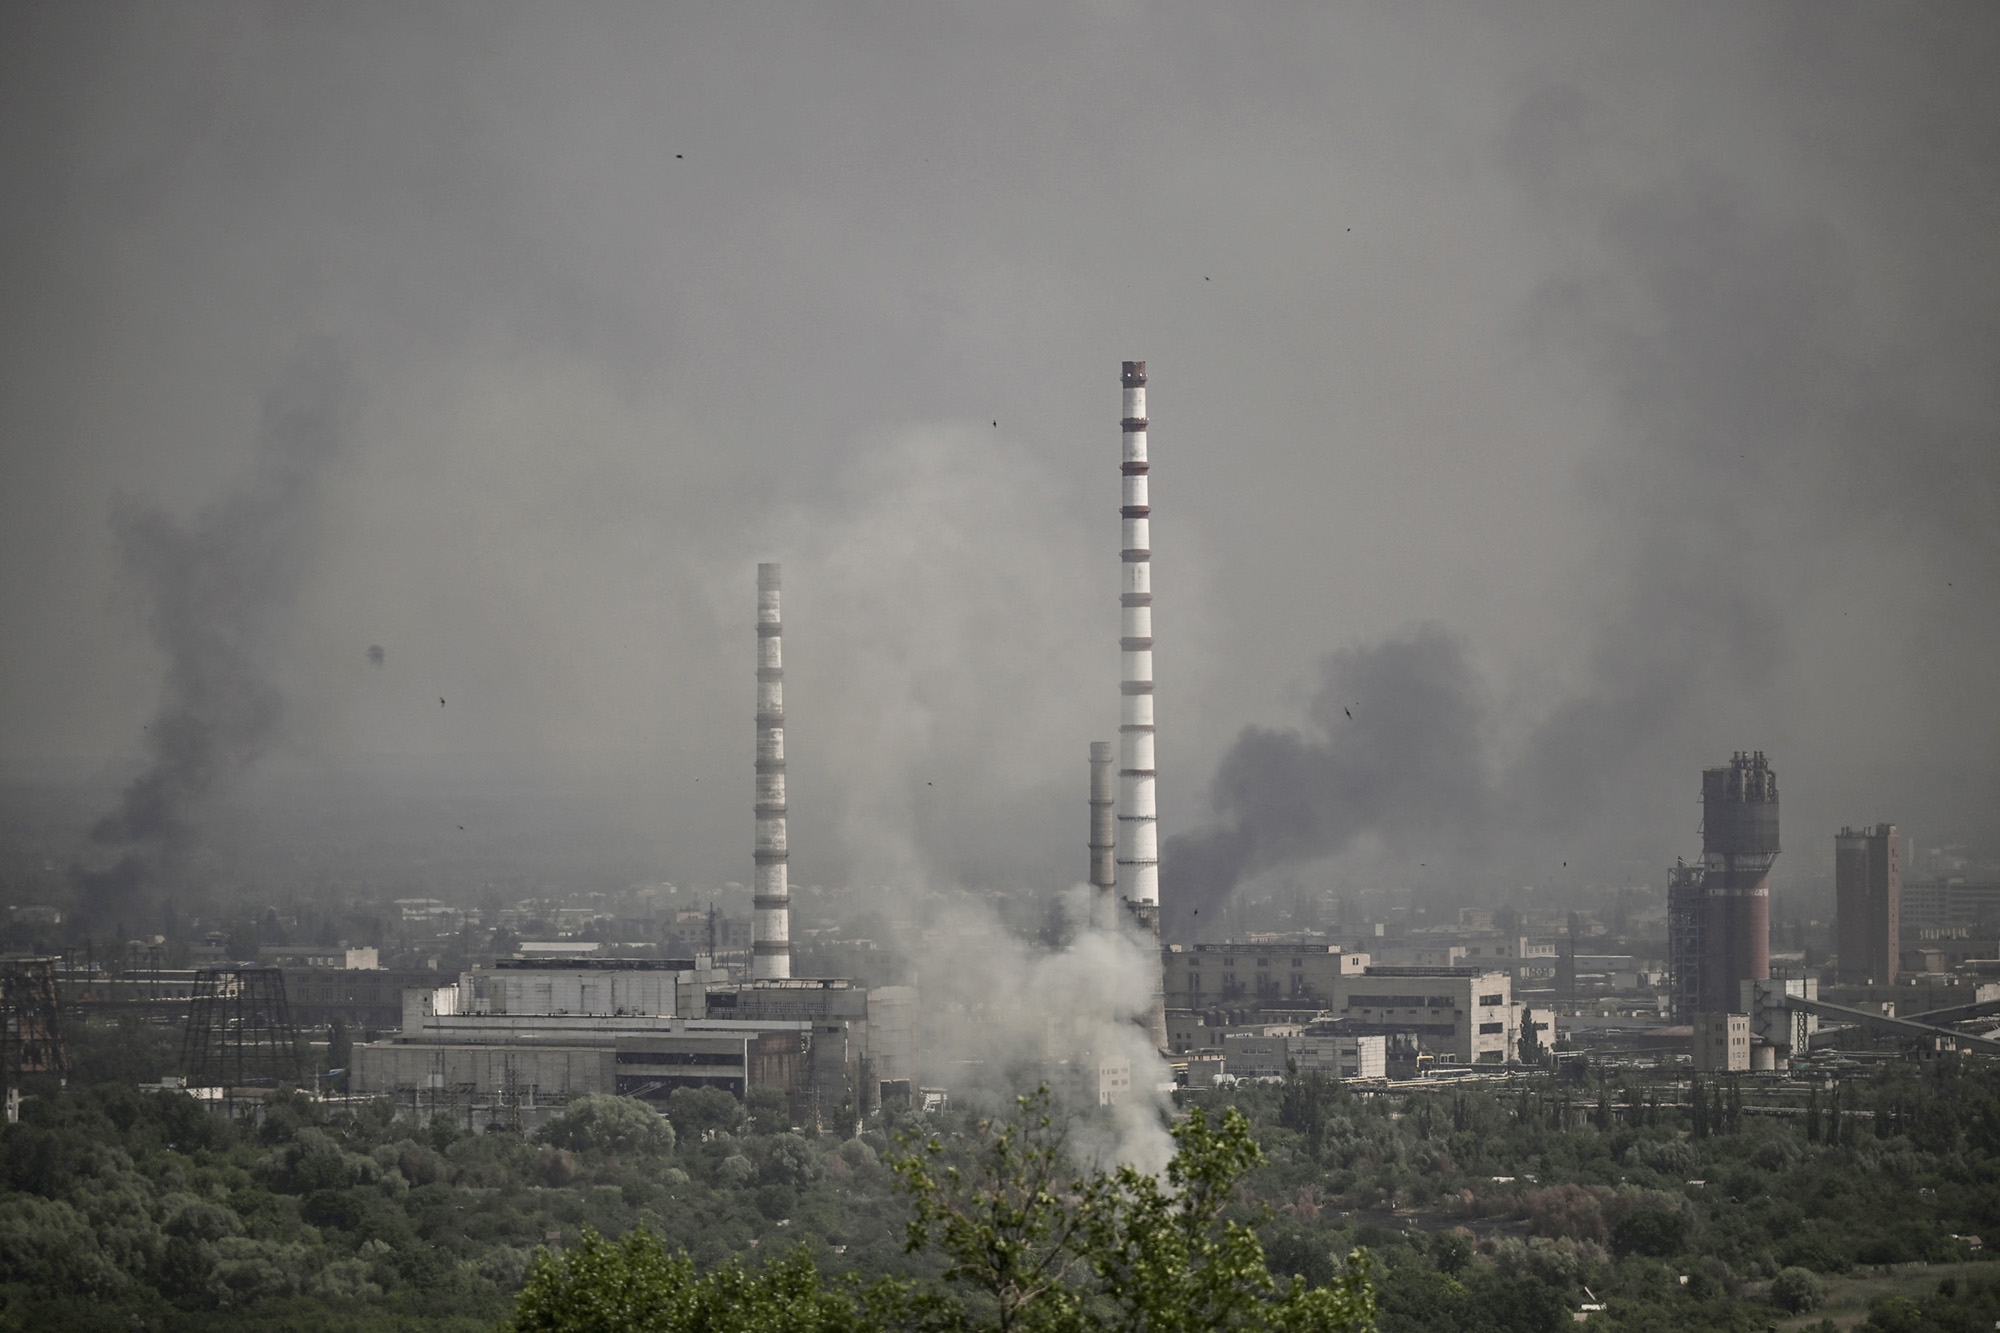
<point x="1513" y="1209"/>
<point x="1493" y="1207"/>
<point x="1031" y="1242"/>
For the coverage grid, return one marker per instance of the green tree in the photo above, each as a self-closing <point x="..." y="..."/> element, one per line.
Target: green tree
<point x="697" y="1113"/>
<point x="1055" y="1249"/>
<point x="1797" y="1290"/>
<point x="632" y="1285"/>
<point x="601" y="1123"/>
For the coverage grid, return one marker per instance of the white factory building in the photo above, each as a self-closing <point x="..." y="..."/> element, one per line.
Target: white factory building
<point x="1461" y="1015"/>
<point x="524" y="1033"/>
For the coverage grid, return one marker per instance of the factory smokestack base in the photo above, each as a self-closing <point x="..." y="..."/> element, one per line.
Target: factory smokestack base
<point x="771" y="938"/>
<point x="1103" y="835"/>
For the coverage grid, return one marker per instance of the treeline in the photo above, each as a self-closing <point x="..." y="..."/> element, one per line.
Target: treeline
<point x="1673" y="1204"/>
<point x="1504" y="1208"/>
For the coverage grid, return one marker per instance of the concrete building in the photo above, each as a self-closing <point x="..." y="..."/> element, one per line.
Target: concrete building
<point x="1948" y="904"/>
<point x="548" y="1059"/>
<point x="661" y="987"/>
<point x="1779" y="1033"/>
<point x="1323" y="1049"/>
<point x="861" y="1037"/>
<point x="1866" y="892"/>
<point x="312" y="955"/>
<point x="523" y="1034"/>
<point x="1088" y="1079"/>
<point x="369" y="999"/>
<point x="1239" y="976"/>
<point x="1722" y="1043"/>
<point x="1464" y="1015"/>
<point x="1258" y="1054"/>
<point x="1541" y="1022"/>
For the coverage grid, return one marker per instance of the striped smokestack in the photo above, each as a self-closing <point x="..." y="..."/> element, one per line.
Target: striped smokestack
<point x="1103" y="835"/>
<point x="1139" y="864"/>
<point x="1139" y="867"/>
<point x="771" y="935"/>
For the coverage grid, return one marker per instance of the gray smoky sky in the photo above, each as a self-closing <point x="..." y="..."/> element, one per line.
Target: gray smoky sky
<point x="1587" y="390"/>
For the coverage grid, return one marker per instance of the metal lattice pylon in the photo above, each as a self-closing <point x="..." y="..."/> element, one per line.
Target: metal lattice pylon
<point x="239" y="1030"/>
<point x="30" y="1021"/>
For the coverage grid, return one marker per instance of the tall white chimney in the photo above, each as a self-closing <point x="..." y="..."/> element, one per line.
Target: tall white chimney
<point x="1138" y="818"/>
<point x="1103" y="835"/>
<point x="771" y="933"/>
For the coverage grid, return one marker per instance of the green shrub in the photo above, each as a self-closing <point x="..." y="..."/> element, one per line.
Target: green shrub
<point x="1797" y="1290"/>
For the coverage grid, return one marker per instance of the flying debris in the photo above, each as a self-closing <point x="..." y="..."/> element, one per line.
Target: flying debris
<point x="375" y="654"/>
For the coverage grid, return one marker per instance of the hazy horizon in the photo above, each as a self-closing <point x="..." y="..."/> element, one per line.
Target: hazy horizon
<point x="1547" y="401"/>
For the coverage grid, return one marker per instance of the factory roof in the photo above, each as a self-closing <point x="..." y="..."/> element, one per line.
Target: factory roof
<point x="595" y="964"/>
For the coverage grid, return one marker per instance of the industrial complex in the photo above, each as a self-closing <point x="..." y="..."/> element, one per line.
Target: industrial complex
<point x="716" y="1002"/>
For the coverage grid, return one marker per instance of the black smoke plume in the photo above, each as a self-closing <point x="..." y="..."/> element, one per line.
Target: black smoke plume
<point x="1392" y="745"/>
<point x="215" y="593"/>
<point x="1774" y="447"/>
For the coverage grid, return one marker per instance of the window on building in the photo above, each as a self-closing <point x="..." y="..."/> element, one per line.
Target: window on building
<point x="1488" y="1029"/>
<point x="1495" y="998"/>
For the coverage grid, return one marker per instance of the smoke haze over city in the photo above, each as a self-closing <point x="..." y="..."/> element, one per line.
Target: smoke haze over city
<point x="1546" y="402"/>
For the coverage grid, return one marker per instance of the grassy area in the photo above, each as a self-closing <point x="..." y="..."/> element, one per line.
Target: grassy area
<point x="1848" y="1298"/>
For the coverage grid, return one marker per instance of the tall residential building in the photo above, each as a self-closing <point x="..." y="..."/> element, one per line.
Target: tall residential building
<point x="1866" y="894"/>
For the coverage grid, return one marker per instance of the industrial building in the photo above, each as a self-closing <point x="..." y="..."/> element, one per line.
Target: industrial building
<point x="527" y="1031"/>
<point x="1275" y="1050"/>
<point x="1200" y="977"/>
<point x="1325" y="1049"/>
<point x="1867" y="903"/>
<point x="1087" y="1079"/>
<point x="1463" y="1015"/>
<point x="1719" y="913"/>
<point x="1259" y="1052"/>
<point x="1722" y="1043"/>
<point x="1948" y="904"/>
<point x="861" y="1038"/>
<point x="1466" y="1015"/>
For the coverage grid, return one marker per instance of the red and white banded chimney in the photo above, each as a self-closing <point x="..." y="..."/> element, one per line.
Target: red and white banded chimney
<point x="771" y="931"/>
<point x="1138" y="818"/>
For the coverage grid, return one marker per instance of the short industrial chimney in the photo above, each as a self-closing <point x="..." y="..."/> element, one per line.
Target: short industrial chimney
<point x="1103" y="836"/>
<point x="771" y="933"/>
<point x="1138" y="817"/>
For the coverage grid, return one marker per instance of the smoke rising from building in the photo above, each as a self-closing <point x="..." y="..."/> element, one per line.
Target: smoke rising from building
<point x="1001" y="1010"/>
<point x="1692" y="363"/>
<point x="1392" y="746"/>
<point x="1755" y="413"/>
<point x="215" y="592"/>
